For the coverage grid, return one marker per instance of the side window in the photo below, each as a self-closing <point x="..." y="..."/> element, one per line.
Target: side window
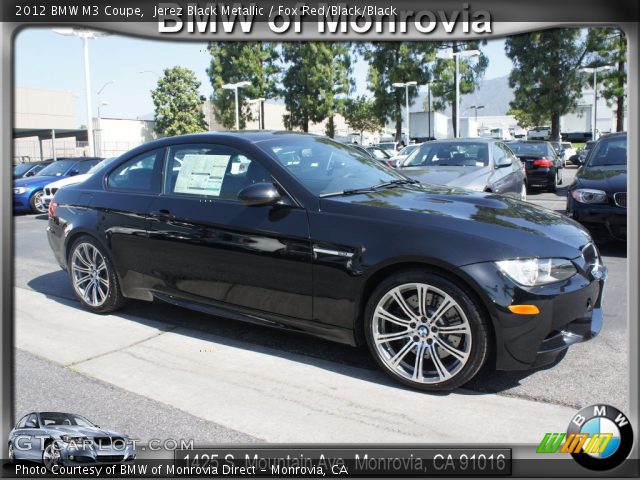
<point x="499" y="155"/>
<point x="32" y="421"/>
<point x="209" y="170"/>
<point x="140" y="174"/>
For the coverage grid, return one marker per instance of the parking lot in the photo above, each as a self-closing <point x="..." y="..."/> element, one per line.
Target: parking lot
<point x="181" y="374"/>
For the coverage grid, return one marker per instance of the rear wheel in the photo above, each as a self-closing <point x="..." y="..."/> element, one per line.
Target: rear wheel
<point x="93" y="277"/>
<point x="12" y="454"/>
<point x="37" y="204"/>
<point x="523" y="192"/>
<point x="553" y="186"/>
<point x="425" y="331"/>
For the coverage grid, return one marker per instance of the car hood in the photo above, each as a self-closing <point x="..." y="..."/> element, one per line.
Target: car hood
<point x="85" y="431"/>
<point x="611" y="178"/>
<point x="482" y="226"/>
<point x="35" y="181"/>
<point x="68" y="181"/>
<point x="467" y="177"/>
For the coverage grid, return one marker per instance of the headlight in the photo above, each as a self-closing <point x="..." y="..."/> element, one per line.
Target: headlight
<point x="587" y="195"/>
<point x="537" y="271"/>
<point x="20" y="190"/>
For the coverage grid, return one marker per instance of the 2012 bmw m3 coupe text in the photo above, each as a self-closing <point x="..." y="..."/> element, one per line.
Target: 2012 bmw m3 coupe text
<point x="299" y="232"/>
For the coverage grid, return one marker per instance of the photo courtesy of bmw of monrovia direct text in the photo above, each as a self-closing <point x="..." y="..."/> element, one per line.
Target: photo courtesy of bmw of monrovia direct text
<point x="309" y="239"/>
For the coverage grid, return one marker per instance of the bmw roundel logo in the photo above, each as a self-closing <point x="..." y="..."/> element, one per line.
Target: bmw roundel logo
<point x="607" y="435"/>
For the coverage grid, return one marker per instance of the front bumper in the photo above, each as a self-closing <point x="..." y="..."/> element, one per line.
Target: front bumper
<point x="570" y="312"/>
<point x="21" y="202"/>
<point x="600" y="220"/>
<point x="87" y="455"/>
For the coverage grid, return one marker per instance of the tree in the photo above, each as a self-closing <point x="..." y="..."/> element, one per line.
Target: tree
<point x="608" y="46"/>
<point x="396" y="62"/>
<point x="232" y="62"/>
<point x="178" y="104"/>
<point x="359" y="114"/>
<point x="316" y="72"/>
<point x="471" y="71"/>
<point x="545" y="75"/>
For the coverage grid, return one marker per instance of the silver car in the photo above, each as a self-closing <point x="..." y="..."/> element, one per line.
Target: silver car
<point x="55" y="438"/>
<point x="481" y="164"/>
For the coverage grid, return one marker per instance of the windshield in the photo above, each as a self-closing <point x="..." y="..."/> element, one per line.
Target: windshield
<point x="378" y="153"/>
<point x="611" y="151"/>
<point x="22" y="168"/>
<point x="408" y="150"/>
<point x="57" y="418"/>
<point x="447" y="154"/>
<point x="542" y="150"/>
<point x="56" y="169"/>
<point x="324" y="166"/>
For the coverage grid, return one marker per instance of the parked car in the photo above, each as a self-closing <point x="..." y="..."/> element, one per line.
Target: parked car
<point x="50" y="189"/>
<point x="28" y="192"/>
<point x="582" y="156"/>
<point x="65" y="439"/>
<point x="318" y="238"/>
<point x="539" y="133"/>
<point x="597" y="198"/>
<point x="568" y="150"/>
<point x="541" y="163"/>
<point x="481" y="164"/>
<point x="28" y="169"/>
<point x="375" y="152"/>
<point x="402" y="155"/>
<point x="390" y="147"/>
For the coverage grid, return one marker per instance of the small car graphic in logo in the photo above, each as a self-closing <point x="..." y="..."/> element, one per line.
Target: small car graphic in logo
<point x="599" y="437"/>
<point x="56" y="438"/>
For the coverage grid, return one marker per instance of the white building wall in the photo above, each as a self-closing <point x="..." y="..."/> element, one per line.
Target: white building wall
<point x="115" y="136"/>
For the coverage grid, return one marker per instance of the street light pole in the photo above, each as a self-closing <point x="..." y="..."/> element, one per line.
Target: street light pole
<point x="406" y="85"/>
<point x="429" y="102"/>
<point x="85" y="35"/>
<point x="235" y="87"/>
<point x="595" y="96"/>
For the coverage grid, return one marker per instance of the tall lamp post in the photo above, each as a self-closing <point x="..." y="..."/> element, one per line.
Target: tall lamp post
<point x="103" y="103"/>
<point x="595" y="71"/>
<point x="476" y="108"/>
<point x="406" y="85"/>
<point x="235" y="87"/>
<point x="260" y="102"/>
<point x="85" y="35"/>
<point x="456" y="56"/>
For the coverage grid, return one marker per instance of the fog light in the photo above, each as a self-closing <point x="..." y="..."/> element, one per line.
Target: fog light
<point x="72" y="457"/>
<point x="524" y="309"/>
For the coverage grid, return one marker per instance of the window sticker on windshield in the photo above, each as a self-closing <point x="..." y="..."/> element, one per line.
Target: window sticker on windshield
<point x="201" y="174"/>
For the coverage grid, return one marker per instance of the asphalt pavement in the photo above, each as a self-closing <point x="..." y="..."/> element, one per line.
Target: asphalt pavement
<point x="224" y="381"/>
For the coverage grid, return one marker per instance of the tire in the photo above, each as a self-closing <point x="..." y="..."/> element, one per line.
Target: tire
<point x="523" y="192"/>
<point x="12" y="454"/>
<point x="401" y="337"/>
<point x="36" y="203"/>
<point x="553" y="187"/>
<point x="50" y="456"/>
<point x="93" y="277"/>
<point x="560" y="177"/>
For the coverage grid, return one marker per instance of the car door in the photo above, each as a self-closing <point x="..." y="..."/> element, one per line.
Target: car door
<point x="129" y="188"/>
<point x="209" y="247"/>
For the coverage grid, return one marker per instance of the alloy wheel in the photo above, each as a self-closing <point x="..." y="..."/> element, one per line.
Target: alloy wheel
<point x="50" y="456"/>
<point x="523" y="193"/>
<point x="89" y="273"/>
<point x="12" y="454"/>
<point x="421" y="333"/>
<point x="38" y="203"/>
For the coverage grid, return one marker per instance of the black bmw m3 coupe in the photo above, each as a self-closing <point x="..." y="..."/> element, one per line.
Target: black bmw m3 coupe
<point x="303" y="233"/>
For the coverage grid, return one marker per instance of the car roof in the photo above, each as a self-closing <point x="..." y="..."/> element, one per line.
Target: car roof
<point x="464" y="140"/>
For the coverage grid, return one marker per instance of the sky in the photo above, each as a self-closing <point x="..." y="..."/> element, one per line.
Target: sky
<point x="128" y="68"/>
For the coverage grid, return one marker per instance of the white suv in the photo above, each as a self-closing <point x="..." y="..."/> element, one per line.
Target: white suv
<point x="539" y="133"/>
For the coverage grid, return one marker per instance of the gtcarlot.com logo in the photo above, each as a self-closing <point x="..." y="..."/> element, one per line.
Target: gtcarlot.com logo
<point x="599" y="437"/>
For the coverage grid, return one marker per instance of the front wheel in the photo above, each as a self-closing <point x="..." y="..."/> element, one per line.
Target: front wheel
<point x="523" y="192"/>
<point x="425" y="331"/>
<point x="50" y="456"/>
<point x="37" y="203"/>
<point x="93" y="277"/>
<point x="12" y="454"/>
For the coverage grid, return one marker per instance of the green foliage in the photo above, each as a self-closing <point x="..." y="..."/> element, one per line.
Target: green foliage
<point x="545" y="75"/>
<point x="360" y="115"/>
<point x="178" y="103"/>
<point x="232" y="62"/>
<point x="392" y="62"/>
<point x="608" y="46"/>
<point x="316" y="72"/>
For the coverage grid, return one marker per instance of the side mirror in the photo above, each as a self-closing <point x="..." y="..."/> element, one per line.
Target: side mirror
<point x="29" y="174"/>
<point x="506" y="163"/>
<point x="259" y="194"/>
<point x="73" y="172"/>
